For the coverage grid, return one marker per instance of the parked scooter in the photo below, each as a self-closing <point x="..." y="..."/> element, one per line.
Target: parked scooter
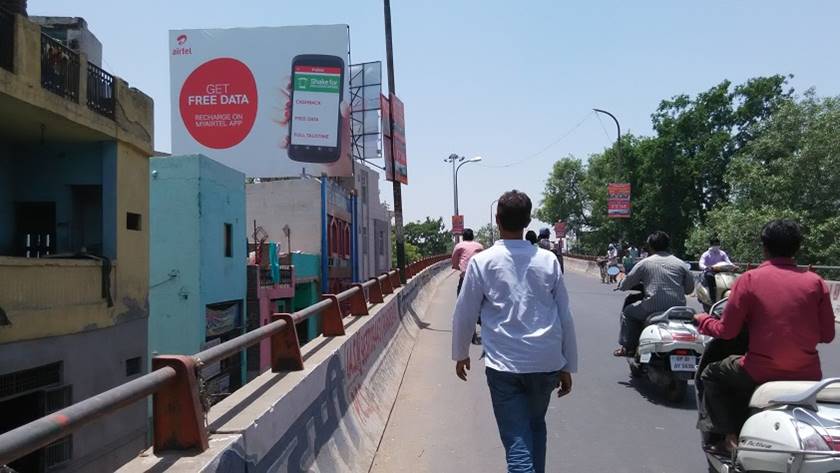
<point x="669" y="348"/>
<point x="794" y="426"/>
<point x="725" y="275"/>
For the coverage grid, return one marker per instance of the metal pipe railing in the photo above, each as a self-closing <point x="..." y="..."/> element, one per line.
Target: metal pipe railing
<point x="173" y="381"/>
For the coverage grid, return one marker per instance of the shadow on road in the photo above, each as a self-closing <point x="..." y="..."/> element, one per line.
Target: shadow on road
<point x="656" y="396"/>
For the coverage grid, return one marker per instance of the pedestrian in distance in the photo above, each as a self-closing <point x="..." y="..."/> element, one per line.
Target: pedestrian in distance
<point x="462" y="253"/>
<point x="531" y="237"/>
<point x="528" y="333"/>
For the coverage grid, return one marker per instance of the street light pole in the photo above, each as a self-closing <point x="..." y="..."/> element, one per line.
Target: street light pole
<point x="617" y="139"/>
<point x="454" y="158"/>
<point x="492" y="219"/>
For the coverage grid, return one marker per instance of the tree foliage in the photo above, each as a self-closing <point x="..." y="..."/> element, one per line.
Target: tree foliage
<point x="683" y="174"/>
<point x="487" y="234"/>
<point x="430" y="237"/>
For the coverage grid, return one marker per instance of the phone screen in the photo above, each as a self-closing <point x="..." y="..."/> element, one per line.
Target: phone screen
<point x="317" y="93"/>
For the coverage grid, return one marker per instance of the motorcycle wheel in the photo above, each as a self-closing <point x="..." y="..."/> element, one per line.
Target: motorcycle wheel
<point x="675" y="392"/>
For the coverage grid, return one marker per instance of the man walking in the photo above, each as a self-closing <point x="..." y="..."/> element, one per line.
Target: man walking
<point x="462" y="254"/>
<point x="529" y="336"/>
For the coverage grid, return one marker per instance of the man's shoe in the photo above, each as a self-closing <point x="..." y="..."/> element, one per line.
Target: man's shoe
<point x="476" y="339"/>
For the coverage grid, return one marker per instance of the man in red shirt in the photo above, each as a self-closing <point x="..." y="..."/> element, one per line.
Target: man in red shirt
<point x="786" y="312"/>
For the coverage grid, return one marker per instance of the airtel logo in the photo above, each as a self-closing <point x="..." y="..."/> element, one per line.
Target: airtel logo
<point x="181" y="50"/>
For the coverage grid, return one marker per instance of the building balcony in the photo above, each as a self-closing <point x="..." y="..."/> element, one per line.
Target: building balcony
<point x="49" y="92"/>
<point x="44" y="297"/>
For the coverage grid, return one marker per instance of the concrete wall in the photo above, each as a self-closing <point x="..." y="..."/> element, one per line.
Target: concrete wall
<point x="371" y="210"/>
<point x="292" y="202"/>
<point x="192" y="198"/>
<point x="93" y="362"/>
<point x="7" y="210"/>
<point x="329" y="417"/>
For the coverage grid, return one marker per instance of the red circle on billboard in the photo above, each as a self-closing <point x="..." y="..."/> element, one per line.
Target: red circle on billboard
<point x="218" y="103"/>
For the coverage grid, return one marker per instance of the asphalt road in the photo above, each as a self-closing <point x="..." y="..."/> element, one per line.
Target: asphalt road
<point x="609" y="423"/>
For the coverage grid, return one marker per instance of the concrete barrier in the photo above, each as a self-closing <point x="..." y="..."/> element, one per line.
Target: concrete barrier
<point x="590" y="268"/>
<point x="329" y="417"/>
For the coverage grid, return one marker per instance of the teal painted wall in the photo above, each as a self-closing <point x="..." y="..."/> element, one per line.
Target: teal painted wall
<point x="45" y="173"/>
<point x="192" y="197"/>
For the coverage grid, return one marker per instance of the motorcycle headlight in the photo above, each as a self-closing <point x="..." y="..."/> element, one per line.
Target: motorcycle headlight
<point x="809" y="438"/>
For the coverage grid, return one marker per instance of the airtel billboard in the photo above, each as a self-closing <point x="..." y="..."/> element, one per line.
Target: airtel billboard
<point x="270" y="102"/>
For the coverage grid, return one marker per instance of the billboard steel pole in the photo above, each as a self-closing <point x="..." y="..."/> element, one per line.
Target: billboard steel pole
<point x="398" y="213"/>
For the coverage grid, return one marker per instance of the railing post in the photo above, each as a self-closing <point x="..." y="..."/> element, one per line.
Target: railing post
<point x="385" y="282"/>
<point x="358" y="302"/>
<point x="285" y="346"/>
<point x="395" y="278"/>
<point x="177" y="412"/>
<point x="332" y="324"/>
<point x="375" y="292"/>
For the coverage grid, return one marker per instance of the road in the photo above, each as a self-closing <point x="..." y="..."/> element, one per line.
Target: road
<point x="609" y="423"/>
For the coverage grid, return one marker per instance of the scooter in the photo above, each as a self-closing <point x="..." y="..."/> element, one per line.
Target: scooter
<point x="725" y="276"/>
<point x="668" y="351"/>
<point x="794" y="426"/>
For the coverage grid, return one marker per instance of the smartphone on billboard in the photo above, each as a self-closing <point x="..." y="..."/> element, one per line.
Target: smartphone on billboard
<point x="317" y="92"/>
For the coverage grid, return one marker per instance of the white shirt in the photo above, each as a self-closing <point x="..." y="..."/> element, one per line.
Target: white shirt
<point x="526" y="324"/>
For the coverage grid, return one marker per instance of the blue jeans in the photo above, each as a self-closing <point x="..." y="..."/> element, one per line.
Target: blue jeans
<point x="520" y="401"/>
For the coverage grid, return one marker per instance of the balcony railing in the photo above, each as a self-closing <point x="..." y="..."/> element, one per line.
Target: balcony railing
<point x="59" y="69"/>
<point x="7" y="40"/>
<point x="100" y="91"/>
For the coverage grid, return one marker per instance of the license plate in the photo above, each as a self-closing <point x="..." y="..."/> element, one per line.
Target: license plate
<point x="683" y="363"/>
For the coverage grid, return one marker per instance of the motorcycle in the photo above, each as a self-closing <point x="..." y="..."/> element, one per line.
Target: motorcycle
<point x="725" y="275"/>
<point x="669" y="348"/>
<point x="794" y="426"/>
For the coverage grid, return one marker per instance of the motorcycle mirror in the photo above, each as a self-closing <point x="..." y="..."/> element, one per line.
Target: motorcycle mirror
<point x="717" y="309"/>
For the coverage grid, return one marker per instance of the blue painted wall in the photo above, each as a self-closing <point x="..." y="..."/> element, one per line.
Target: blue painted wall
<point x="192" y="197"/>
<point x="45" y="173"/>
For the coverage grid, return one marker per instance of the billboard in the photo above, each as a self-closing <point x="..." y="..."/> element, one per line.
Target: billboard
<point x="270" y="102"/>
<point x="396" y="167"/>
<point x="560" y="229"/>
<point x="365" y="103"/>
<point x="618" y="200"/>
<point x="457" y="224"/>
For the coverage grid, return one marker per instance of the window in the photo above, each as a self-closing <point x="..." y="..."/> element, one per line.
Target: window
<point x="228" y="240"/>
<point x="26" y="380"/>
<point x="133" y="221"/>
<point x="132" y="366"/>
<point x="60" y="451"/>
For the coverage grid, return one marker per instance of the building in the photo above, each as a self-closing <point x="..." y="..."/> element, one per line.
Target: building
<point x="197" y="262"/>
<point x="74" y="240"/>
<point x="374" y="226"/>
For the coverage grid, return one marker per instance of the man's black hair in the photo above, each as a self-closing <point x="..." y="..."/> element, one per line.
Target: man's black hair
<point x="659" y="241"/>
<point x="531" y="237"/>
<point x="781" y="238"/>
<point x="514" y="211"/>
<point x="714" y="241"/>
<point x="468" y="234"/>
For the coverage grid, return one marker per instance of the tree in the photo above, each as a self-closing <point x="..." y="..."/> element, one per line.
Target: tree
<point x="787" y="170"/>
<point x="564" y="197"/>
<point x="487" y="234"/>
<point x="430" y="237"/>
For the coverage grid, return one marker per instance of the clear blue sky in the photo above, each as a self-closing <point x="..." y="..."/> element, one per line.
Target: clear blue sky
<point x="499" y="78"/>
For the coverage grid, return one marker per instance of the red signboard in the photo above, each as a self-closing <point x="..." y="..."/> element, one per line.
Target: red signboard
<point x="560" y="229"/>
<point x="396" y="167"/>
<point x="618" y="200"/>
<point x="457" y="224"/>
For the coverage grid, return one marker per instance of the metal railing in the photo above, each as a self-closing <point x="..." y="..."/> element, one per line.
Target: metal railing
<point x="59" y="69"/>
<point x="7" y="40"/>
<point x="178" y="412"/>
<point x="100" y="91"/>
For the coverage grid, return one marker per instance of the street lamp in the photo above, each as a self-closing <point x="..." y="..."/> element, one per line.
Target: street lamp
<point x="617" y="139"/>
<point x="459" y="161"/>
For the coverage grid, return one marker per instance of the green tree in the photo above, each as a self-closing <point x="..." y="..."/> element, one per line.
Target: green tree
<point x="564" y="197"/>
<point x="487" y="234"/>
<point x="430" y="237"/>
<point x="787" y="170"/>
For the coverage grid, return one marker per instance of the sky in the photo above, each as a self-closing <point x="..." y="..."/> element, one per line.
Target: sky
<point x="500" y="79"/>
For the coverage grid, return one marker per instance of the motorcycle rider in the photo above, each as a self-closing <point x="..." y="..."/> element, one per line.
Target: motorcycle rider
<point x="710" y="258"/>
<point x="666" y="282"/>
<point x="786" y="312"/>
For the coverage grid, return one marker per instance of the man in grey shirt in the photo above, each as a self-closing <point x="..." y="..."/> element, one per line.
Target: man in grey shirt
<point x="666" y="281"/>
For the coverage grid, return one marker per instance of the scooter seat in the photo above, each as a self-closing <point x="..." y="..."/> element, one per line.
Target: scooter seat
<point x="762" y="397"/>
<point x="655" y="318"/>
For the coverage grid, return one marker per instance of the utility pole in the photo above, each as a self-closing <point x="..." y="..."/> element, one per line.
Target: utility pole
<point x="392" y="89"/>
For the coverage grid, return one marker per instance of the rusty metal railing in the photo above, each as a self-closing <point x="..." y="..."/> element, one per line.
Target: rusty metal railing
<point x="178" y="414"/>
